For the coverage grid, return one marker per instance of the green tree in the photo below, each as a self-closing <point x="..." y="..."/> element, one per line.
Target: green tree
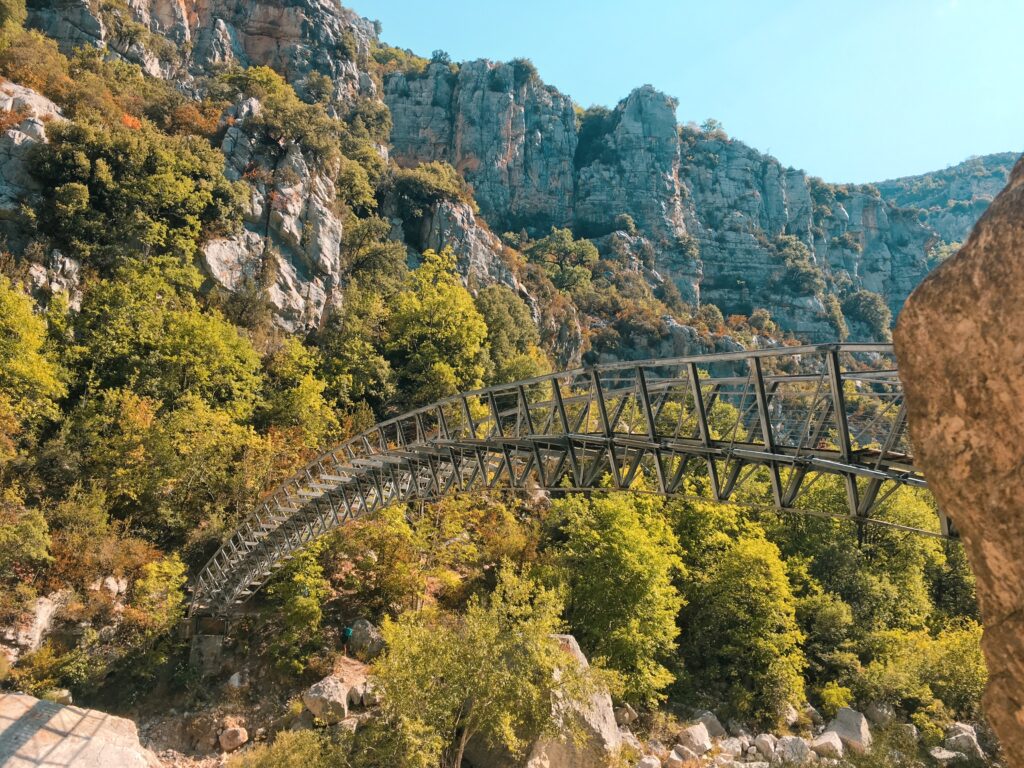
<point x="294" y="395"/>
<point x="512" y="336"/>
<point x="31" y="382"/>
<point x="296" y="598"/>
<point x="489" y="673"/>
<point x="114" y="189"/>
<point x="566" y="260"/>
<point x="437" y="338"/>
<point x="741" y="642"/>
<point x="620" y="558"/>
<point x="143" y="329"/>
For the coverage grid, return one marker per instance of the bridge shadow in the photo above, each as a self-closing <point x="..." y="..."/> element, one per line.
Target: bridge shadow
<point x="35" y="733"/>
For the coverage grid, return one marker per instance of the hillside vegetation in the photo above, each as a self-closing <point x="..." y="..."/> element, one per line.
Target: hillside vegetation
<point x="147" y="405"/>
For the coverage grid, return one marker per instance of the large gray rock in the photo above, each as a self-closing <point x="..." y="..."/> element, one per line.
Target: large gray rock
<point x="42" y="733"/>
<point x="695" y="738"/>
<point x="961" y="737"/>
<point x="852" y="728"/>
<point x="715" y="729"/>
<point x="594" y="719"/>
<point x="27" y="635"/>
<point x="366" y="642"/>
<point x="792" y="750"/>
<point x="944" y="757"/>
<point x="232" y="738"/>
<point x="960" y="345"/>
<point x="828" y="744"/>
<point x="330" y="698"/>
<point x="765" y="744"/>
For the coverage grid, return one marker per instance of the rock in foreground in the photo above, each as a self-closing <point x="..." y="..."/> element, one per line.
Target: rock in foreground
<point x="960" y="344"/>
<point x="34" y="733"/>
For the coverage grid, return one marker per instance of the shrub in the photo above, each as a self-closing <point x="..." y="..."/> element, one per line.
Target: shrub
<point x="620" y="558"/>
<point x="427" y="184"/>
<point x="869" y="308"/>
<point x="741" y="642"/>
<point x="834" y="697"/>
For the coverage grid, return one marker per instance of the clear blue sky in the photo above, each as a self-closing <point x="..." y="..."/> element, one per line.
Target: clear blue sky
<point x="861" y="90"/>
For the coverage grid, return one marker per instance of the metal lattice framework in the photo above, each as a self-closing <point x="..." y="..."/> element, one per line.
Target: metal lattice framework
<point x="793" y="413"/>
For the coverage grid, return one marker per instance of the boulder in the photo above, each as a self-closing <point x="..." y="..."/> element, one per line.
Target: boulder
<point x="765" y="744"/>
<point x="679" y="757"/>
<point x="366" y="642"/>
<point x="813" y="715"/>
<point x="962" y="737"/>
<point x="909" y="731"/>
<point x="695" y="738"/>
<point x="944" y="757"/>
<point x="852" y="728"/>
<point x="650" y="761"/>
<point x="792" y="750"/>
<point x="625" y="714"/>
<point x="879" y="713"/>
<point x="732" y="746"/>
<point x="630" y="740"/>
<point x="370" y="696"/>
<point x="959" y="342"/>
<point x="232" y="738"/>
<point x="828" y="744"/>
<point x="328" y="699"/>
<point x="715" y="729"/>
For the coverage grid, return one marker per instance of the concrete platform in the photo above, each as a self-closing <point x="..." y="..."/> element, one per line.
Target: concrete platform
<point x="41" y="734"/>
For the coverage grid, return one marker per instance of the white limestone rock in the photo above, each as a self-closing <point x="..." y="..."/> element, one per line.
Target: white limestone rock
<point x="852" y="728"/>
<point x="828" y="744"/>
<point x="792" y="750"/>
<point x="695" y="738"/>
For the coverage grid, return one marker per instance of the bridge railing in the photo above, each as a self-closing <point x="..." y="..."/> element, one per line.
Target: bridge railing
<point x="791" y="411"/>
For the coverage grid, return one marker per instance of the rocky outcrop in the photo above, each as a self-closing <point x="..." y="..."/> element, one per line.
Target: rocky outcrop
<point x="960" y="345"/>
<point x="28" y="634"/>
<point x="44" y="733"/>
<point x="330" y="699"/>
<point x="852" y="729"/>
<point x="712" y="209"/>
<point x="511" y="136"/>
<point x="291" y="240"/>
<point x="950" y="201"/>
<point x="295" y="38"/>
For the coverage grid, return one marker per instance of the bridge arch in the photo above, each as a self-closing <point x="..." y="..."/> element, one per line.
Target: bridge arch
<point x="799" y="412"/>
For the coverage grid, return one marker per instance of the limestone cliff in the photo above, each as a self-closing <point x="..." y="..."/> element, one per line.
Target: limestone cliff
<point x="951" y="200"/>
<point x="714" y="207"/>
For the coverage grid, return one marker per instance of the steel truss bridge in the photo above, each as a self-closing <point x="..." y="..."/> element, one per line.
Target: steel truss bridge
<point x="791" y="414"/>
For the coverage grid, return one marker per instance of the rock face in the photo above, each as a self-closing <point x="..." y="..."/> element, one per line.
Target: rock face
<point x="366" y="642"/>
<point x="296" y="38"/>
<point x="714" y="208"/>
<point x="960" y="345"/>
<point x="39" y="733"/>
<point x="28" y="635"/>
<point x="292" y="234"/>
<point x="951" y="200"/>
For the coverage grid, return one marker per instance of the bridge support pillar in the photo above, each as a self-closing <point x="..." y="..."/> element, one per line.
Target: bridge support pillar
<point x="207" y="635"/>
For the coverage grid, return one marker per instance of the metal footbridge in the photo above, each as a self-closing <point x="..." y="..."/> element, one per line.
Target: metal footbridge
<point x="787" y="414"/>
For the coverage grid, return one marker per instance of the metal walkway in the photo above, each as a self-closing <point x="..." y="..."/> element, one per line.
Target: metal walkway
<point x="795" y="413"/>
